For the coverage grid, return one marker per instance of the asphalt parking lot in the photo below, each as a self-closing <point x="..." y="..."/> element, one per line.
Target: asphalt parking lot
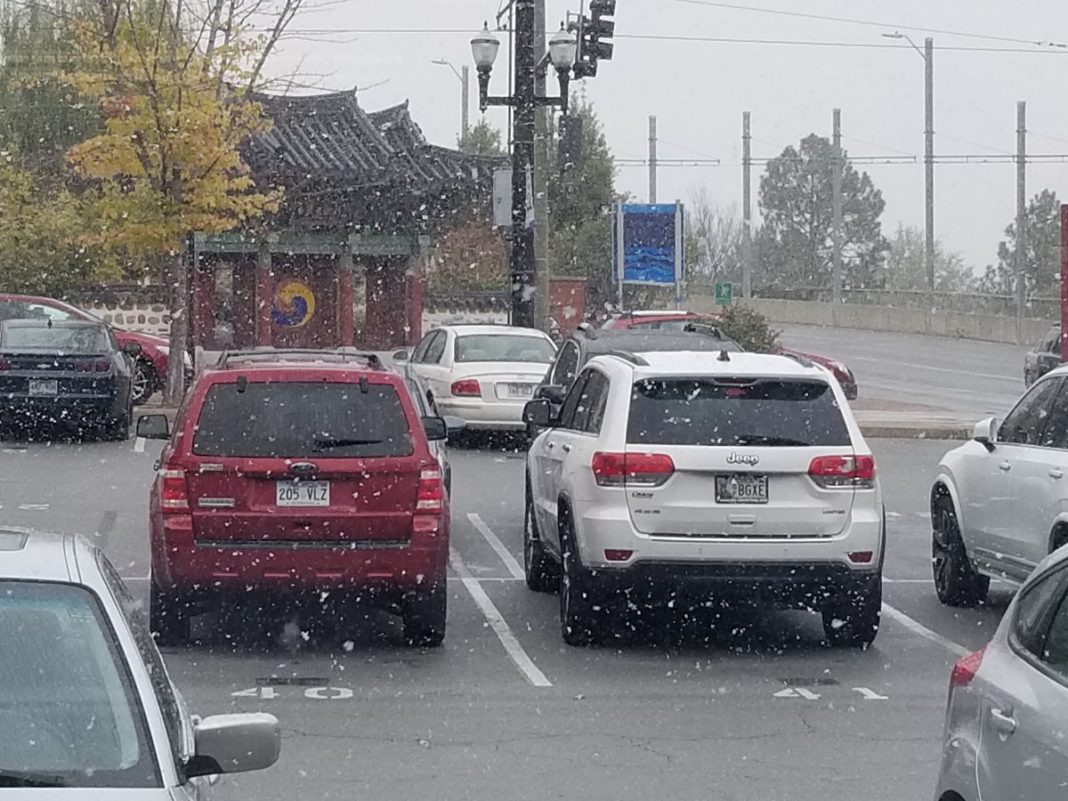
<point x="725" y="704"/>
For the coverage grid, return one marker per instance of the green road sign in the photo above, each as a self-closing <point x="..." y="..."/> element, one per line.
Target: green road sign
<point x="724" y="293"/>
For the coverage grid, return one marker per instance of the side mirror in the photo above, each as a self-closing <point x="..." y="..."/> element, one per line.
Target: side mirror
<point x="986" y="433"/>
<point x="539" y="413"/>
<point x="454" y="424"/>
<point x="132" y="349"/>
<point x="153" y="426"/>
<point x="552" y="393"/>
<point x="436" y="429"/>
<point x="401" y="356"/>
<point x="235" y="744"/>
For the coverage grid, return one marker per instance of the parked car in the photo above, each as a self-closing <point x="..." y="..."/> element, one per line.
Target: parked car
<point x="1045" y="356"/>
<point x="85" y="701"/>
<point x="652" y="320"/>
<point x="66" y="373"/>
<point x="299" y="474"/>
<point x="741" y="476"/>
<point x="999" y="503"/>
<point x="1004" y="730"/>
<point x="150" y="366"/>
<point x="483" y="374"/>
<point x="425" y="406"/>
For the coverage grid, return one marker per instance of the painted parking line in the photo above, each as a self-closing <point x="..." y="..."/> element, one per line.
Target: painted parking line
<point x="34" y="507"/>
<point x="139" y="445"/>
<point x="918" y="628"/>
<point x="509" y="561"/>
<point x="500" y="627"/>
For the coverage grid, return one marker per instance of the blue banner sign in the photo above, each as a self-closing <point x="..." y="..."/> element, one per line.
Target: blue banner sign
<point x="648" y="244"/>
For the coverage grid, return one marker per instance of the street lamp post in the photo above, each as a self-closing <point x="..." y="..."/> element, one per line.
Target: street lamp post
<point x="927" y="54"/>
<point x="464" y="76"/>
<point x="524" y="101"/>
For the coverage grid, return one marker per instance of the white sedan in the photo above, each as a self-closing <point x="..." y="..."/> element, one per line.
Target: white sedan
<point x="483" y="374"/>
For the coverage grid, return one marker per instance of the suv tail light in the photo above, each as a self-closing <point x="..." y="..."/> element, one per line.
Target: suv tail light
<point x="843" y="472"/>
<point x="173" y="491"/>
<point x="5" y="364"/>
<point x="467" y="388"/>
<point x="430" y="497"/>
<point x="966" y="668"/>
<point x="89" y="366"/>
<point x="632" y="469"/>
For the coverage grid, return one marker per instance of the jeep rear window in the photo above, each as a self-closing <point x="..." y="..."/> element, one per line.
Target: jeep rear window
<point x="760" y="413"/>
<point x="303" y="419"/>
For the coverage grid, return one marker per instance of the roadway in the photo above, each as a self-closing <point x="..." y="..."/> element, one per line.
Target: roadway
<point x="722" y="705"/>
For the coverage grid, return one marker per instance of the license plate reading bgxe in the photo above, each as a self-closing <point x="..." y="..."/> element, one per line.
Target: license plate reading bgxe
<point x="302" y="493"/>
<point x="742" y="488"/>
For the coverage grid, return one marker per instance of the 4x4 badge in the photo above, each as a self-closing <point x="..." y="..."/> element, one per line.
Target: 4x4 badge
<point x="743" y="458"/>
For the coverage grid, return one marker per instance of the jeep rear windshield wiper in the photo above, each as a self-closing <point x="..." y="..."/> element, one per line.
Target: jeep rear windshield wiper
<point x="762" y="439"/>
<point x="327" y="444"/>
<point x="20" y="778"/>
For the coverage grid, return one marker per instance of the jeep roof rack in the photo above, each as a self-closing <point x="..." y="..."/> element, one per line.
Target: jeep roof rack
<point x="267" y="354"/>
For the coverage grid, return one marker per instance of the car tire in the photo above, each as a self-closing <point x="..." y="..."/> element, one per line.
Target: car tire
<point x="541" y="571"/>
<point x="956" y="581"/>
<point x="169" y="617"/>
<point x="578" y="624"/>
<point x="143" y="383"/>
<point x="424" y="615"/>
<point x="852" y="615"/>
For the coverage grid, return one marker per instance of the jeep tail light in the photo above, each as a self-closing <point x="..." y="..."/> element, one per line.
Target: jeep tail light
<point x="173" y="491"/>
<point x="467" y="388"/>
<point x="843" y="472"/>
<point x="430" y="497"/>
<point x="966" y="668"/>
<point x="632" y="469"/>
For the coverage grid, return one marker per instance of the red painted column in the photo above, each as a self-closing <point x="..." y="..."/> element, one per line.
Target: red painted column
<point x="204" y="306"/>
<point x="415" y="310"/>
<point x="345" y="321"/>
<point x="1064" y="282"/>
<point x="264" y="297"/>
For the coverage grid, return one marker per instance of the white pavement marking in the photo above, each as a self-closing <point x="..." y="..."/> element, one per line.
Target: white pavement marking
<point x="509" y="561"/>
<point x="918" y="628"/>
<point x="907" y="581"/>
<point x="496" y="621"/>
<point x="33" y="507"/>
<point x="139" y="445"/>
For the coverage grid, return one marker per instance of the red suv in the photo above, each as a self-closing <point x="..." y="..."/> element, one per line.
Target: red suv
<point x="299" y="473"/>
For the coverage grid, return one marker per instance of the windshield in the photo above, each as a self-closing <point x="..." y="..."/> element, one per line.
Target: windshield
<point x="504" y="348"/>
<point x="69" y="713"/>
<point x="744" y="412"/>
<point x="324" y="420"/>
<point x="65" y="339"/>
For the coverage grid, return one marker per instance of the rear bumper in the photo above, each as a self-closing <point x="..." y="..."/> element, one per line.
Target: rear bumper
<point x="483" y="415"/>
<point x="61" y="407"/>
<point x="182" y="564"/>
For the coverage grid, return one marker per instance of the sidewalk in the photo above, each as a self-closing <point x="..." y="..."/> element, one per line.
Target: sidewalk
<point x="879" y="419"/>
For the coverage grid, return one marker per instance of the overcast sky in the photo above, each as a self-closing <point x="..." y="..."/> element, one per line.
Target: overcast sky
<point x="698" y="90"/>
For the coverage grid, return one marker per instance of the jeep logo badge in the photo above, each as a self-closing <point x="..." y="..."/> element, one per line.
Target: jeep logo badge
<point x="743" y="458"/>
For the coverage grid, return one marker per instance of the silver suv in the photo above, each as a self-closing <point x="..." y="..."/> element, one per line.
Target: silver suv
<point x="739" y="474"/>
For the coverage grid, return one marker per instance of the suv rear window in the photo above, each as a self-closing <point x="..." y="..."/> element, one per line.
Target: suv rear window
<point x="773" y="413"/>
<point x="277" y="420"/>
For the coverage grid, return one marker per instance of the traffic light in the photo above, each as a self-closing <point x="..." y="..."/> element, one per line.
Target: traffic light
<point x="595" y="33"/>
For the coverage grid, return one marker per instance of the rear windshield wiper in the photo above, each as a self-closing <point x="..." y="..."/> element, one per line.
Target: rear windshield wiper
<point x="761" y="439"/>
<point x="327" y="444"/>
<point x="20" y="778"/>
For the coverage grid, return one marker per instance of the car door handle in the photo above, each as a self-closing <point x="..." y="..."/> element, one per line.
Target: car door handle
<point x="1005" y="467"/>
<point x="1003" y="720"/>
<point x="1055" y="473"/>
<point x="566" y="448"/>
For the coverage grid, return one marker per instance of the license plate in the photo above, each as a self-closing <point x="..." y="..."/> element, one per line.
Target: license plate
<point x="44" y="386"/>
<point x="742" y="488"/>
<point x="302" y="493"/>
<point x="520" y="390"/>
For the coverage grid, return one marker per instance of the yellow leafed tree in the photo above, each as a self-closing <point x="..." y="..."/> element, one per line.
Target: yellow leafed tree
<point x="176" y="84"/>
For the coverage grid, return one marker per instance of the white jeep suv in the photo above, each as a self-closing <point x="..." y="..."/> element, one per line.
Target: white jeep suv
<point x="731" y="475"/>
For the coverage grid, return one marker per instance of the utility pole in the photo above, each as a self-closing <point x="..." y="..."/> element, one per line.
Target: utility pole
<point x="652" y="158"/>
<point x="465" y="118"/>
<point x="541" y="201"/>
<point x="836" y="205"/>
<point x="928" y="161"/>
<point x="1021" y="210"/>
<point x="747" y="208"/>
<point x="522" y="261"/>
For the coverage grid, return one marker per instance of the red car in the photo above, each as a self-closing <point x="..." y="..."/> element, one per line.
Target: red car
<point x="677" y="321"/>
<point x="150" y="368"/>
<point x="299" y="475"/>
